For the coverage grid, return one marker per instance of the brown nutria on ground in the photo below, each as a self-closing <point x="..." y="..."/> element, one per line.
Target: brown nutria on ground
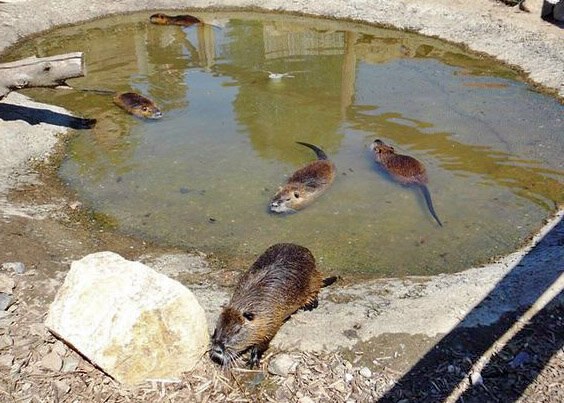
<point x="137" y="105"/>
<point x="281" y="281"/>
<point x="404" y="169"/>
<point x="305" y="185"/>
<point x="163" y="19"/>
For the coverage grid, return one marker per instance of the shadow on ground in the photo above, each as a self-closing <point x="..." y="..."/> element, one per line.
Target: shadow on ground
<point x="35" y="116"/>
<point x="517" y="364"/>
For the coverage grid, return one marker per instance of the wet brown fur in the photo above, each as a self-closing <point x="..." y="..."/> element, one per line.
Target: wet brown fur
<point x="282" y="280"/>
<point x="163" y="19"/>
<point x="307" y="184"/>
<point x="404" y="169"/>
<point x="137" y="105"/>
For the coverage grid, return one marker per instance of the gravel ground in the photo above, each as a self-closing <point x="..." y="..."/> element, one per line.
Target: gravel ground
<point x="380" y="329"/>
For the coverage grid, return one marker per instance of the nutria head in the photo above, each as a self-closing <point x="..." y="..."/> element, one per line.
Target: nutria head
<point x="234" y="334"/>
<point x="289" y="198"/>
<point x="159" y="18"/>
<point x="138" y="105"/>
<point x="379" y="147"/>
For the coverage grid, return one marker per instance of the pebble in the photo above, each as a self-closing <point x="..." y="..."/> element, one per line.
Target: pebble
<point x="282" y="364"/>
<point x="62" y="387"/>
<point x="70" y="364"/>
<point x="16" y="267"/>
<point x="6" y="360"/>
<point x="6" y="284"/>
<point x="450" y="369"/>
<point x="365" y="372"/>
<point x="305" y="399"/>
<point x="339" y="387"/>
<point x="520" y="359"/>
<point x="5" y="301"/>
<point x="51" y="361"/>
<point x="476" y="379"/>
<point x="348" y="377"/>
<point x="6" y="341"/>
<point x="60" y="348"/>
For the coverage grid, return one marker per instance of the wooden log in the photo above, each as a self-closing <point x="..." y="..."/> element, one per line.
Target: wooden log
<point x="40" y="72"/>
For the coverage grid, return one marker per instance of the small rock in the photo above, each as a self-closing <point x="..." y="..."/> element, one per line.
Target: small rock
<point x="70" y="364"/>
<point x="305" y="399"/>
<point x="59" y="348"/>
<point x="6" y="360"/>
<point x="51" y="361"/>
<point x="6" y="301"/>
<point x="26" y="386"/>
<point x="403" y="401"/>
<point x="38" y="329"/>
<point x="6" y="284"/>
<point x="282" y="365"/>
<point x="450" y="369"/>
<point x="348" y="377"/>
<point x="62" y="387"/>
<point x="16" y="267"/>
<point x="75" y="205"/>
<point x="476" y="378"/>
<point x="520" y="359"/>
<point x="6" y="341"/>
<point x="339" y="387"/>
<point x="365" y="372"/>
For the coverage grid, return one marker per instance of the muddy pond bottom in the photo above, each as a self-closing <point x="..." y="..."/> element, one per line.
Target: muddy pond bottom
<point x="239" y="90"/>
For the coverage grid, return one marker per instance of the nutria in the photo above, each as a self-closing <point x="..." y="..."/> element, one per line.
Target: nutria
<point x="137" y="105"/>
<point x="282" y="280"/>
<point x="163" y="19"/>
<point x="131" y="102"/>
<point x="305" y="185"/>
<point x="405" y="169"/>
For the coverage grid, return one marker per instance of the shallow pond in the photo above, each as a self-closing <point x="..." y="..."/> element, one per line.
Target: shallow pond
<point x="202" y="176"/>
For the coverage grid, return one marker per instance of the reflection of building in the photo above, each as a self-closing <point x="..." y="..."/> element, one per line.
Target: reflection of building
<point x="291" y="40"/>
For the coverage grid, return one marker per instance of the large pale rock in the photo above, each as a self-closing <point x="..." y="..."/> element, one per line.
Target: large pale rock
<point x="131" y="321"/>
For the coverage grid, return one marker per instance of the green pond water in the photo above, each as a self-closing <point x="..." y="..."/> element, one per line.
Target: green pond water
<point x="203" y="175"/>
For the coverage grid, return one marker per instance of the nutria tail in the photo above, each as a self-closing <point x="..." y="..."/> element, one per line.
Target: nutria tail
<point x="427" y="196"/>
<point x="318" y="151"/>
<point x="328" y="281"/>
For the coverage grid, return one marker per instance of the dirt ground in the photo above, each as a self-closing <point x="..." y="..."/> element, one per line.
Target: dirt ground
<point x="391" y="339"/>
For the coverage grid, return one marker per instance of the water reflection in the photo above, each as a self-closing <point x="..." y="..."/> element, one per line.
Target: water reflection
<point x="228" y="139"/>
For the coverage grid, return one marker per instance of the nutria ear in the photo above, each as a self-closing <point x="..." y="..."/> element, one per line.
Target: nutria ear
<point x="249" y="315"/>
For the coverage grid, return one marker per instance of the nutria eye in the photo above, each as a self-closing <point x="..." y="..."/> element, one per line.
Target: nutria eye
<point x="296" y="195"/>
<point x="145" y="109"/>
<point x="249" y="315"/>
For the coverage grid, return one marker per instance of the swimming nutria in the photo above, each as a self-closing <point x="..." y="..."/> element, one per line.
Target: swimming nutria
<point x="281" y="281"/>
<point x="137" y="105"/>
<point x="305" y="185"/>
<point x="131" y="102"/>
<point x="163" y="19"/>
<point x="405" y="169"/>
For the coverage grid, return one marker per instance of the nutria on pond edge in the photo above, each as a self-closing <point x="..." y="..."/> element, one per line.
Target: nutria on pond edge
<point x="305" y="185"/>
<point x="163" y="19"/>
<point x="283" y="280"/>
<point x="404" y="169"/>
